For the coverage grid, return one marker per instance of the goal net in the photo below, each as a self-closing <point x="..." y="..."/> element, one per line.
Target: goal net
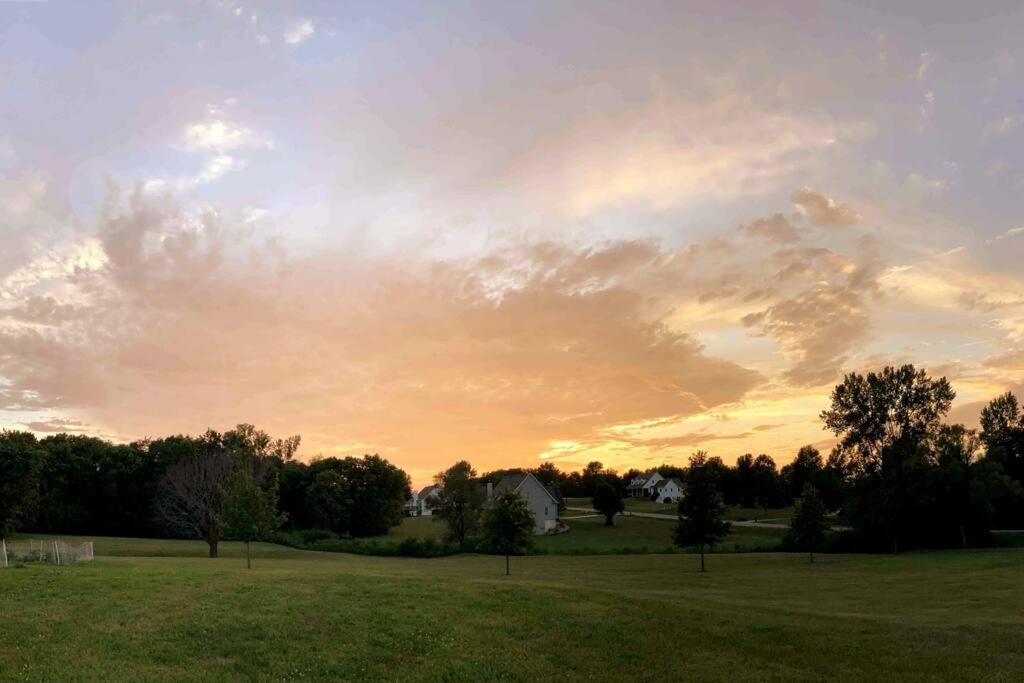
<point x="55" y="551"/>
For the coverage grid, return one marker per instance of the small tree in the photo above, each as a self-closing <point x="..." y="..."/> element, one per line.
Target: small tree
<point x="701" y="513"/>
<point x="607" y="501"/>
<point x="508" y="526"/>
<point x="460" y="502"/>
<point x="250" y="512"/>
<point x="808" y="526"/>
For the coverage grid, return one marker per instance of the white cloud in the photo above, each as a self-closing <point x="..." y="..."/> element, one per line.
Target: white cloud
<point x="220" y="135"/>
<point x="1004" y="125"/>
<point x="1013" y="232"/>
<point x="299" y="32"/>
<point x="927" y="59"/>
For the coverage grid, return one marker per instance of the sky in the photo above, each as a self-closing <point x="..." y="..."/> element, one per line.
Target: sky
<point x="505" y="232"/>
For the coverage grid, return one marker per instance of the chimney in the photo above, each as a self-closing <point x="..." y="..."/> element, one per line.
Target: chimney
<point x="490" y="490"/>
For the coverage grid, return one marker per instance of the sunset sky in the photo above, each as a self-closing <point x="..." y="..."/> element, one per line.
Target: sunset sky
<point x="507" y="232"/>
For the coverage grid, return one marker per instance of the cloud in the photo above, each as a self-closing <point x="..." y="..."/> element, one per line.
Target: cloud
<point x="821" y="325"/>
<point x="924" y="64"/>
<point x="220" y="136"/>
<point x="823" y="210"/>
<point x="669" y="153"/>
<point x="1012" y="232"/>
<point x="299" y="32"/>
<point x="774" y="229"/>
<point x="190" y="325"/>
<point x="1004" y="126"/>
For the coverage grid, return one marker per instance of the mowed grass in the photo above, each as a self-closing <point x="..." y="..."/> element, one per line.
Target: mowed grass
<point x="323" y="616"/>
<point x="732" y="512"/>
<point x="588" y="535"/>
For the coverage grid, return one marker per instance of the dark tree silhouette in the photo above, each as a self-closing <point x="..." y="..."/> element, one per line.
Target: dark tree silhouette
<point x="701" y="511"/>
<point x="192" y="500"/>
<point x="808" y="526"/>
<point x="607" y="501"/>
<point x="508" y="526"/>
<point x="460" y="501"/>
<point x="884" y="421"/>
<point x="20" y="461"/>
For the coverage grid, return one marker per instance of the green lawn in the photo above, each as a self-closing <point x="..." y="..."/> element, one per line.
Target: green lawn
<point x="589" y="535"/>
<point x="323" y="616"/>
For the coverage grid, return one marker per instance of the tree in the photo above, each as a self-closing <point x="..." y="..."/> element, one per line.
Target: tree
<point x="701" y="511"/>
<point x="460" y="501"/>
<point x="871" y="414"/>
<point x="1002" y="431"/>
<point x="508" y="526"/>
<point x="192" y="500"/>
<point x="884" y="422"/>
<point x="766" y="482"/>
<point x="608" y="502"/>
<point x="329" y="502"/>
<point x="805" y="469"/>
<point x="250" y="511"/>
<point x="20" y="460"/>
<point x="808" y="526"/>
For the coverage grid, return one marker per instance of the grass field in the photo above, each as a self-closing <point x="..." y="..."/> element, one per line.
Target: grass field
<point x="588" y="535"/>
<point x="153" y="610"/>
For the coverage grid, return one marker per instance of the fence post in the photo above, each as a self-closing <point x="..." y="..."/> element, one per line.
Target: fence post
<point x="3" y="550"/>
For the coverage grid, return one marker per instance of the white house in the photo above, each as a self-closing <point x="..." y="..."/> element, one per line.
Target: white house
<point x="419" y="504"/>
<point x="543" y="503"/>
<point x="643" y="485"/>
<point x="668" y="490"/>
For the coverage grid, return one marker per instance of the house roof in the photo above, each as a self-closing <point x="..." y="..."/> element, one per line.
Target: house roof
<point x="512" y="482"/>
<point x="643" y="478"/>
<point x="427" y="490"/>
<point x="664" y="482"/>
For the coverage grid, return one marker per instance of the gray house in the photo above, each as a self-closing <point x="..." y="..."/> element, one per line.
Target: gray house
<point x="541" y="501"/>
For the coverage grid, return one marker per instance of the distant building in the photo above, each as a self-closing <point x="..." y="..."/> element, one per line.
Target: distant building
<point x="643" y="485"/>
<point x="668" y="490"/>
<point x="542" y="501"/>
<point x="421" y="503"/>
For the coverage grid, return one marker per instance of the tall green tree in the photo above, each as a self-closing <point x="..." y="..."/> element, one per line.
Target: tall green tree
<point x="460" y="502"/>
<point x="607" y="501"/>
<point x="508" y="526"/>
<point x="701" y="511"/>
<point x="808" y="526"/>
<point x="250" y="510"/>
<point x="21" y="458"/>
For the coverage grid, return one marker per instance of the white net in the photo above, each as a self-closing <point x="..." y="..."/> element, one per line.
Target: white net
<point x="55" y="551"/>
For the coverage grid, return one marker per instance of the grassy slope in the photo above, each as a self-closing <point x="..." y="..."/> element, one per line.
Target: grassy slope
<point x="311" y="616"/>
<point x="589" y="535"/>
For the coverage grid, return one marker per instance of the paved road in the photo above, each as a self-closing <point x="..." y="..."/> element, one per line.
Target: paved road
<point x="658" y="515"/>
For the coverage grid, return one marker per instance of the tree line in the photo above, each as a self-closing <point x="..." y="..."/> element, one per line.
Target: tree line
<point x="899" y="476"/>
<point x="241" y="484"/>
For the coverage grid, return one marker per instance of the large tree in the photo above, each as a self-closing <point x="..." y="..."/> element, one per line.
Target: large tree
<point x="884" y="422"/>
<point x="192" y="496"/>
<point x="808" y="526"/>
<point x="1002" y="431"/>
<point x="607" y="501"/>
<point x="460" y="501"/>
<point x="20" y="460"/>
<point x="701" y="511"/>
<point x="508" y="526"/>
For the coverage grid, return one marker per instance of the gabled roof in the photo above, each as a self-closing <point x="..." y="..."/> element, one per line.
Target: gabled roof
<point x="664" y="482"/>
<point x="643" y="478"/>
<point x="512" y="482"/>
<point x="428" y="490"/>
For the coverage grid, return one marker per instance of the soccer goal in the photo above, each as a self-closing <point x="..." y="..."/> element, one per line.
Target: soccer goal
<point x="56" y="551"/>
